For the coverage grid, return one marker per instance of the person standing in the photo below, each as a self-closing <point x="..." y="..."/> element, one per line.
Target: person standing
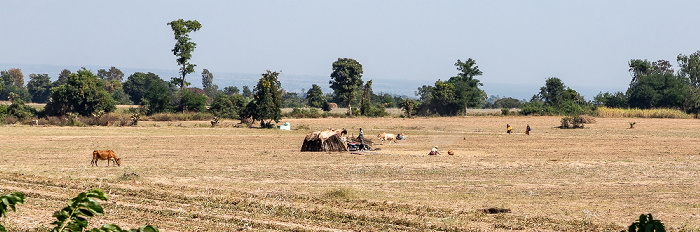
<point x="528" y="129"/>
<point x="509" y="128"/>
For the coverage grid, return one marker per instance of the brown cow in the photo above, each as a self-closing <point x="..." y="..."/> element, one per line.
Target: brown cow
<point x="105" y="155"/>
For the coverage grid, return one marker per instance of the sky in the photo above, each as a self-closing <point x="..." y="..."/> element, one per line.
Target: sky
<point x="401" y="44"/>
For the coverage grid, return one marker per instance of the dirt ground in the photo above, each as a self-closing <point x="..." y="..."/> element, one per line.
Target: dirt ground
<point x="187" y="176"/>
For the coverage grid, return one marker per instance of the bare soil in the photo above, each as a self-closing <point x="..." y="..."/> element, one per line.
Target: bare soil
<point x="186" y="176"/>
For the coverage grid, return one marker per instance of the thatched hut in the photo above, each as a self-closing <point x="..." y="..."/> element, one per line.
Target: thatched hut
<point x="328" y="140"/>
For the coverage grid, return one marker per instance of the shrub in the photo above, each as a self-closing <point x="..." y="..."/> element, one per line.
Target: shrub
<point x="571" y="122"/>
<point x="505" y="112"/>
<point x="303" y="113"/>
<point x="646" y="224"/>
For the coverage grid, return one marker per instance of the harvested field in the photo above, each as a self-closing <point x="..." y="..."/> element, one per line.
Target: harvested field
<point x="184" y="177"/>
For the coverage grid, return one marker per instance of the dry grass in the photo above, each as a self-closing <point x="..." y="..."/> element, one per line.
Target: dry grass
<point x="606" y="112"/>
<point x="180" y="176"/>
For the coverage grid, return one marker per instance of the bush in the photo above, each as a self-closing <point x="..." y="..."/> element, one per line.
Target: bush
<point x="505" y="112"/>
<point x="572" y="122"/>
<point x="304" y="113"/>
<point x="646" y="223"/>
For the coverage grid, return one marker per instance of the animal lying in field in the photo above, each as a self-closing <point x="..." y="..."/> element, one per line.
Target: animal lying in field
<point x="105" y="155"/>
<point x="385" y="136"/>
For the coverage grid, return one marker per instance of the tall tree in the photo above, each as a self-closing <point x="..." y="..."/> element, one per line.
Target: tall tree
<point x="690" y="67"/>
<point x="467" y="90"/>
<point x="468" y="69"/>
<point x="184" y="46"/>
<point x="208" y="84"/>
<point x="82" y="94"/>
<point x="314" y="97"/>
<point x="552" y="92"/>
<point x="17" y="77"/>
<point x="366" y="102"/>
<point x="267" y="100"/>
<point x="346" y="79"/>
<point x="39" y="86"/>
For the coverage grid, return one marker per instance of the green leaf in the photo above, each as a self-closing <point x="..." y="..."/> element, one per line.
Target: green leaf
<point x="2" y="228"/>
<point x="87" y="212"/>
<point x="94" y="206"/>
<point x="110" y="227"/>
<point x="146" y="228"/>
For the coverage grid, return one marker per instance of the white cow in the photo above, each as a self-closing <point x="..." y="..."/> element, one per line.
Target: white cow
<point x="385" y="136"/>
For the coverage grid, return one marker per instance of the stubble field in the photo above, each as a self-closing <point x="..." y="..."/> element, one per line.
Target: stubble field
<point x="186" y="176"/>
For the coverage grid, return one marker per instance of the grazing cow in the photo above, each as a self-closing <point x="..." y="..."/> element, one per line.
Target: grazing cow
<point x="105" y="155"/>
<point x="385" y="136"/>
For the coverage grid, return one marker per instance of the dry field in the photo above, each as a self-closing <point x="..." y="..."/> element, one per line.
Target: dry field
<point x="185" y="176"/>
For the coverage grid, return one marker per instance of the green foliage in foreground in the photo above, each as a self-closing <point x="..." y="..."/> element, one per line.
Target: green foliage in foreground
<point x="73" y="217"/>
<point x="9" y="200"/>
<point x="646" y="223"/>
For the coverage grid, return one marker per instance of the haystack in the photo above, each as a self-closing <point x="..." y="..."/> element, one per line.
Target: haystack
<point x="328" y="140"/>
<point x="365" y="140"/>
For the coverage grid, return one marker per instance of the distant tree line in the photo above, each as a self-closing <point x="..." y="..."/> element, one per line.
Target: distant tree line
<point x="653" y="85"/>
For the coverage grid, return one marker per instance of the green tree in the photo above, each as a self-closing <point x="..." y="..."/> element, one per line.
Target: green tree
<point x="157" y="97"/>
<point x="552" y="92"/>
<point x="114" y="74"/>
<point x="690" y="67"/>
<point x="13" y="82"/>
<point x="231" y="90"/>
<point x="12" y="77"/>
<point x="184" y="46"/>
<point x="366" y="102"/>
<point x="39" y="86"/>
<point x="208" y="84"/>
<point x="138" y="83"/>
<point x="614" y="100"/>
<point x="267" y="100"/>
<point x="62" y="78"/>
<point x="82" y="94"/>
<point x="638" y="68"/>
<point x="314" y="97"/>
<point x="112" y="80"/>
<point x="657" y="89"/>
<point x="410" y="107"/>
<point x="346" y="80"/>
<point x="226" y="106"/>
<point x="468" y="69"/>
<point x="443" y="99"/>
<point x="690" y="70"/>
<point x="508" y="103"/>
<point x="424" y="93"/>
<point x="19" y="109"/>
<point x="246" y="92"/>
<point x="191" y="100"/>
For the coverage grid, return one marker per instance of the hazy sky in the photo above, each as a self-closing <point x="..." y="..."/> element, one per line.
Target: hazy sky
<point x="517" y="44"/>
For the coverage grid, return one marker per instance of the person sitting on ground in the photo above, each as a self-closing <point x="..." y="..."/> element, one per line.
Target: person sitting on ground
<point x="434" y="151"/>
